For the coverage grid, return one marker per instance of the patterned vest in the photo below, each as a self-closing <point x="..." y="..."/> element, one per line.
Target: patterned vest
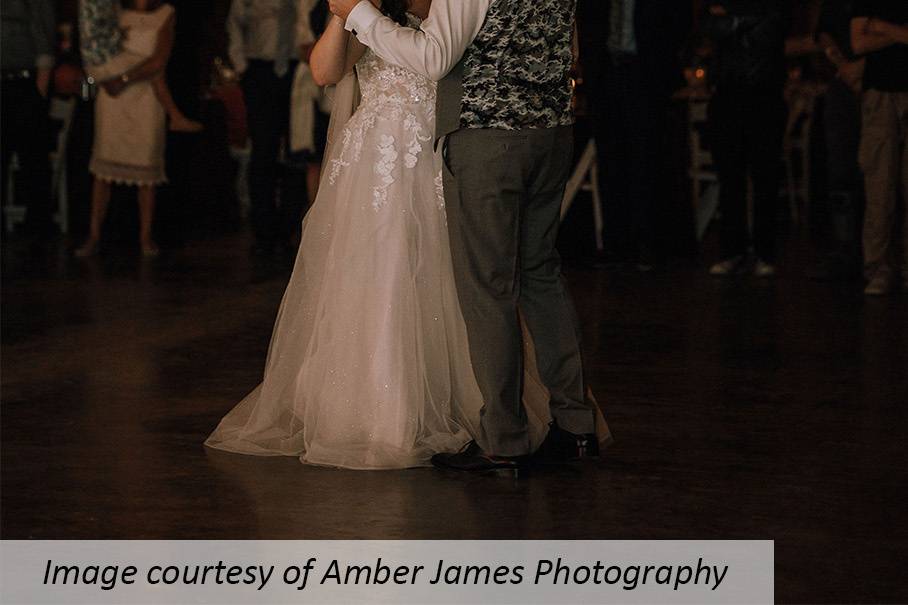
<point x="516" y="74"/>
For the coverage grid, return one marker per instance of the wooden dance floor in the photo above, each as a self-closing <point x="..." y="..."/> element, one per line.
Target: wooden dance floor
<point x="740" y="410"/>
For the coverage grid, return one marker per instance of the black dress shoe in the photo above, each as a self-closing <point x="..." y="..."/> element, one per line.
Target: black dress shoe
<point x="562" y="446"/>
<point x="472" y="458"/>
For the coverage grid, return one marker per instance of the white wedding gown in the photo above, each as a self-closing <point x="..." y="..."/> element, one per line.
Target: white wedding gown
<point x="369" y="365"/>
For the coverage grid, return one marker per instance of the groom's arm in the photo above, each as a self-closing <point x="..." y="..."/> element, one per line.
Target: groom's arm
<point x="433" y="50"/>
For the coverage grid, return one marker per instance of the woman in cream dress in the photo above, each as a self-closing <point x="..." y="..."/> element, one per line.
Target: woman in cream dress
<point x="130" y="123"/>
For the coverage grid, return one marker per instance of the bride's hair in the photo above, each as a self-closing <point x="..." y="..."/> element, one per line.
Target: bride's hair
<point x="396" y="10"/>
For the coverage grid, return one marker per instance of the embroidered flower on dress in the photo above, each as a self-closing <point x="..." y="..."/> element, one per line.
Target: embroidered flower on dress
<point x="383" y="168"/>
<point x="412" y="124"/>
<point x="440" y="190"/>
<point x="390" y="94"/>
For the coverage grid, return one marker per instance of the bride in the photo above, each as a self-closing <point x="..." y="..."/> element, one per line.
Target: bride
<point x="369" y="364"/>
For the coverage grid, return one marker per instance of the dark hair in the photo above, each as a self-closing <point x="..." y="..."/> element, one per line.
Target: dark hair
<point x="396" y="10"/>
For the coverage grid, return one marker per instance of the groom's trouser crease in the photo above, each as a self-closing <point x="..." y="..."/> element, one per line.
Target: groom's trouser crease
<point x="503" y="191"/>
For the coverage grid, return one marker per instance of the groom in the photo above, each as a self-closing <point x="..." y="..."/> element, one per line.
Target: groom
<point x="504" y="120"/>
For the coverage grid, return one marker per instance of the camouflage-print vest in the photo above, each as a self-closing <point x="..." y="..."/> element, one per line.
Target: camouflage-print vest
<point x="517" y="72"/>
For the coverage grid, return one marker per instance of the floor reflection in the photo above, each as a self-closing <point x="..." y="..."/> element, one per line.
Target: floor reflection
<point x="739" y="409"/>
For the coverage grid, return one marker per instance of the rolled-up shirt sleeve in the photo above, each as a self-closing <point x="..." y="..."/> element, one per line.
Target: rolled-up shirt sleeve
<point x="435" y="48"/>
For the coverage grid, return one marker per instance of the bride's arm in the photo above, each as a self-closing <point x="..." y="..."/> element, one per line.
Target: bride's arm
<point x="335" y="54"/>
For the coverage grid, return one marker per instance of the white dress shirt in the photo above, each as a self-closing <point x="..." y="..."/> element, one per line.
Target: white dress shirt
<point x="254" y="31"/>
<point x="431" y="51"/>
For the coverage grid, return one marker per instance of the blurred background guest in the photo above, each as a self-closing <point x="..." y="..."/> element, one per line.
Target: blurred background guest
<point x="263" y="48"/>
<point x="879" y="31"/>
<point x="308" y="108"/>
<point x="130" y="127"/>
<point x="747" y="120"/>
<point x="839" y="210"/>
<point x="631" y="64"/>
<point x="106" y="55"/>
<point x="28" y="31"/>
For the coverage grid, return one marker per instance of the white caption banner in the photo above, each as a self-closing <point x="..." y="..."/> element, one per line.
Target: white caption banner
<point x="405" y="571"/>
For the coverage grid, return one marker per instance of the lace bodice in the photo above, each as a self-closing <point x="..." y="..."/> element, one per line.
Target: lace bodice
<point x="383" y="83"/>
<point x="391" y="130"/>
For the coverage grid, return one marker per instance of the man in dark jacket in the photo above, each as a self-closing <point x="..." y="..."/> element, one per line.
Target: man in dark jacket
<point x="27" y="61"/>
<point x="747" y="122"/>
<point x="838" y="213"/>
<point x="630" y="52"/>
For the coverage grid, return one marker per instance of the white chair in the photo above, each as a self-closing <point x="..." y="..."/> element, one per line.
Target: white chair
<point x="702" y="173"/>
<point x="61" y="110"/>
<point x="796" y="149"/>
<point x="586" y="178"/>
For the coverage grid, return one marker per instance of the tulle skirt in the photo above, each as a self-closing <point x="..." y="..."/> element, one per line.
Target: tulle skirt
<point x="369" y="363"/>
